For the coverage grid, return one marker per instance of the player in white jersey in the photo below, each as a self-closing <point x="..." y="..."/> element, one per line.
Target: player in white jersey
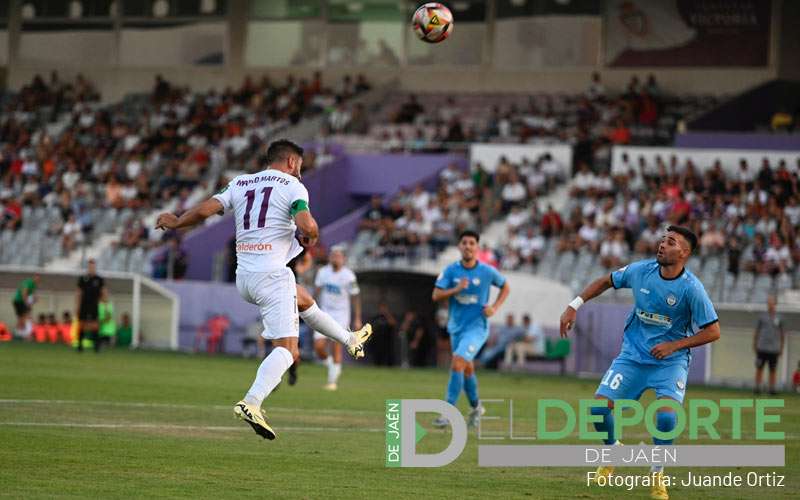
<point x="269" y="206"/>
<point x="337" y="291"/>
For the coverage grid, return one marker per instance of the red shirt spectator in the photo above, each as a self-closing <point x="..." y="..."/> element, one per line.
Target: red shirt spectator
<point x="551" y="223"/>
<point x="620" y="134"/>
<point x="486" y="255"/>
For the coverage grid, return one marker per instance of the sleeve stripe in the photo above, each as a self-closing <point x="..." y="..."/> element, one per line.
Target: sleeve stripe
<point x="709" y="323"/>
<point x="298" y="206"/>
<point x="611" y="277"/>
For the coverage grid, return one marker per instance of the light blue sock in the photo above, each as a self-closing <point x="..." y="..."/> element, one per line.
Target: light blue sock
<point x="454" y="386"/>
<point x="607" y="425"/>
<point x="665" y="422"/>
<point x="471" y="388"/>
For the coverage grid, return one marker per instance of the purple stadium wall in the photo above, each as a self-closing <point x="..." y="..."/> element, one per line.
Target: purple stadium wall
<point x="739" y="140"/>
<point x="596" y="339"/>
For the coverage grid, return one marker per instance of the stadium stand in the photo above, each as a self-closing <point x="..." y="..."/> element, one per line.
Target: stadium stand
<point x="72" y="169"/>
<point x="642" y="114"/>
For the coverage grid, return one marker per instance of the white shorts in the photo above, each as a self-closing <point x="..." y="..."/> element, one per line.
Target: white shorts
<point x="341" y="317"/>
<point x="275" y="294"/>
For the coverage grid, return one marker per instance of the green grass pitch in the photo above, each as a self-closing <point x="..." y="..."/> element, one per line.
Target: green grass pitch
<point x="140" y="424"/>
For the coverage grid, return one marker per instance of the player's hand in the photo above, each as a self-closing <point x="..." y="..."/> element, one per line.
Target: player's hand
<point x="663" y="350"/>
<point x="307" y="242"/>
<point x="463" y="283"/>
<point x="489" y="311"/>
<point x="167" y="221"/>
<point x="567" y="321"/>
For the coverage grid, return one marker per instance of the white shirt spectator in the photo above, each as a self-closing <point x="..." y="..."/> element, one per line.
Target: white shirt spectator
<point x="779" y="255"/>
<point x="70" y="179"/>
<point x="535" y="335"/>
<point x="613" y="248"/>
<point x="757" y="196"/>
<point x="588" y="233"/>
<point x="604" y="183"/>
<point x="421" y="200"/>
<point x="133" y="168"/>
<point x="72" y="228"/>
<point x="551" y="168"/>
<point x="516" y="218"/>
<point x="792" y="211"/>
<point x="584" y="180"/>
<point x="420" y="227"/>
<point x="536" y="180"/>
<point x="651" y="235"/>
<point x="339" y="119"/>
<point x="30" y="167"/>
<point x="514" y="192"/>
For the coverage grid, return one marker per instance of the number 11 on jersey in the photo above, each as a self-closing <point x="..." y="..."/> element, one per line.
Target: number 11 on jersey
<point x="262" y="214"/>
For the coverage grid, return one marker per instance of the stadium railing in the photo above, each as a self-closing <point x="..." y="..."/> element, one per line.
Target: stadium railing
<point x="154" y="310"/>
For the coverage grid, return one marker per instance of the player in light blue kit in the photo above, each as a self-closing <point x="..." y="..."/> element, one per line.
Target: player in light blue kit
<point x="671" y="314"/>
<point x="466" y="285"/>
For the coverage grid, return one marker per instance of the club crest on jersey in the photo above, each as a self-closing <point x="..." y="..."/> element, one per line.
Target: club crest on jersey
<point x="476" y="281"/>
<point x="671" y="300"/>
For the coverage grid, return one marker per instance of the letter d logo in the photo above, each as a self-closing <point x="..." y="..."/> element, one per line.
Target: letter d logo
<point x="401" y="433"/>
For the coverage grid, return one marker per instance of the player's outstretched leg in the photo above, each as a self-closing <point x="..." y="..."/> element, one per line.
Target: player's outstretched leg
<point x="322" y="322"/>
<point x="665" y="422"/>
<point x="471" y="389"/>
<point x="454" y="386"/>
<point x="293" y="373"/>
<point x="322" y="348"/>
<point x="267" y="378"/>
<point x="606" y="425"/>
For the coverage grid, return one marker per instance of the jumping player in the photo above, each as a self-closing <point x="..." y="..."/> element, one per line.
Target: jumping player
<point x="672" y="313"/>
<point x="466" y="285"/>
<point x="269" y="206"/>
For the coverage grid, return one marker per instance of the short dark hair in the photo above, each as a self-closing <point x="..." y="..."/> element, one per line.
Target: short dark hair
<point x="280" y="150"/>
<point x="687" y="234"/>
<point x="469" y="232"/>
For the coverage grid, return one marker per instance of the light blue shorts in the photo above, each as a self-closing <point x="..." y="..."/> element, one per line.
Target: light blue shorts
<point x="627" y="379"/>
<point x="468" y="343"/>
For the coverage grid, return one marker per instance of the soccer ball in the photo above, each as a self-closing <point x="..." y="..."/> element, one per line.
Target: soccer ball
<point x="432" y="22"/>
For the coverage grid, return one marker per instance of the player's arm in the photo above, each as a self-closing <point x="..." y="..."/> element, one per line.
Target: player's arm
<point x="191" y="217"/>
<point x="446" y="293"/>
<point x="705" y="336"/>
<point x="308" y="227"/>
<point x="591" y="291"/>
<point x="703" y="313"/>
<point x="489" y="311"/>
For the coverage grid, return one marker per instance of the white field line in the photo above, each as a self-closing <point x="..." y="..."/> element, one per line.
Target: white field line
<point x="181" y="427"/>
<point x="136" y="404"/>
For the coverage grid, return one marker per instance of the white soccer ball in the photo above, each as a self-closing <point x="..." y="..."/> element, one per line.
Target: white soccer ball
<point x="432" y="22"/>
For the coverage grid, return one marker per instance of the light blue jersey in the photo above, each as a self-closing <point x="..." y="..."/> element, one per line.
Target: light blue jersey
<point x="466" y="307"/>
<point x="664" y="310"/>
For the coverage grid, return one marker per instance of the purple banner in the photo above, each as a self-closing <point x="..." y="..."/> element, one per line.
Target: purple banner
<point x="738" y="140"/>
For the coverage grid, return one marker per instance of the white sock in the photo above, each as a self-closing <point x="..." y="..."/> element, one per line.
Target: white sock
<point x="268" y="375"/>
<point x="337" y="370"/>
<point x="322" y="322"/>
<point x="331" y="370"/>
